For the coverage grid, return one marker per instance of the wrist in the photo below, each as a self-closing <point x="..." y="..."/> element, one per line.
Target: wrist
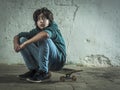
<point x="26" y="42"/>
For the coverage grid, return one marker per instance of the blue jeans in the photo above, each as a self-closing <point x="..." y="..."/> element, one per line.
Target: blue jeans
<point x="42" y="55"/>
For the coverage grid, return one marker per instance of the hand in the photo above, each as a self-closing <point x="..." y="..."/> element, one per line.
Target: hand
<point x="23" y="45"/>
<point x="16" y="47"/>
<point x="16" y="44"/>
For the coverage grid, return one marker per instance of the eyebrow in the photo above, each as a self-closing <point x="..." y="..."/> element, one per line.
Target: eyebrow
<point x="43" y="16"/>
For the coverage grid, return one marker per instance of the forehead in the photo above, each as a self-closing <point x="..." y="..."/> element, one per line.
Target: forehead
<point x="41" y="15"/>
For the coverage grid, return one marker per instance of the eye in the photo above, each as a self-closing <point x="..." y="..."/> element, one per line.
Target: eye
<point x="38" y="18"/>
<point x="44" y="18"/>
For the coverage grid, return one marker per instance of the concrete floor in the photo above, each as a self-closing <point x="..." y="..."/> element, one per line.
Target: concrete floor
<point x="88" y="79"/>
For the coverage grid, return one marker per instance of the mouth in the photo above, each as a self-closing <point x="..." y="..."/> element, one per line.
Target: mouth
<point x="42" y="25"/>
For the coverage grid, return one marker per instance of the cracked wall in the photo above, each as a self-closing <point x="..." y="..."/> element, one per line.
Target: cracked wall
<point x="90" y="28"/>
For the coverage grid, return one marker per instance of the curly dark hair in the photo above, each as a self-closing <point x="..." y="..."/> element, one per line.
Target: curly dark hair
<point x="47" y="13"/>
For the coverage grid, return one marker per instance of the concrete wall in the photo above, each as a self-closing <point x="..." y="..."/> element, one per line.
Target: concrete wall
<point x="91" y="28"/>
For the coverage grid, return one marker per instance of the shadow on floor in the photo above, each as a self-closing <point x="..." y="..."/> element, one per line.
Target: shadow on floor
<point x="15" y="79"/>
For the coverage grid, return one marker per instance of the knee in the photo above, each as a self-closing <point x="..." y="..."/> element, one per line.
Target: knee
<point x="22" y="40"/>
<point x="46" y="41"/>
<point x="43" y="42"/>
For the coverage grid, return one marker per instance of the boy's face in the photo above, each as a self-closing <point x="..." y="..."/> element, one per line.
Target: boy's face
<point x="42" y="22"/>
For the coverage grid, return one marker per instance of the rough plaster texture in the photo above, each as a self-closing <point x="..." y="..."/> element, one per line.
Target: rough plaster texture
<point x="90" y="28"/>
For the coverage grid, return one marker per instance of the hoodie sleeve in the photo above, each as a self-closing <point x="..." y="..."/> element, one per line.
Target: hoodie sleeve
<point x="28" y="35"/>
<point x="51" y="30"/>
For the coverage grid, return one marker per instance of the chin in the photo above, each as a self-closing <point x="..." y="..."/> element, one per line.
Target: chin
<point x="41" y="27"/>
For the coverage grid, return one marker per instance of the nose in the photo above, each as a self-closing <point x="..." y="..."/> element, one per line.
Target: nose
<point x="41" y="20"/>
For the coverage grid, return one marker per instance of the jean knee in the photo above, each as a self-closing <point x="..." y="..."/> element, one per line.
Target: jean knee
<point x="22" y="40"/>
<point x="46" y="40"/>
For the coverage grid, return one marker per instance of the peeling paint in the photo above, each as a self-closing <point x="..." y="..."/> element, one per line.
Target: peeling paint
<point x="97" y="61"/>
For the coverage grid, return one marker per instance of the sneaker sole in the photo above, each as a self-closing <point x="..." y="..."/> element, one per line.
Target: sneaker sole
<point x="39" y="81"/>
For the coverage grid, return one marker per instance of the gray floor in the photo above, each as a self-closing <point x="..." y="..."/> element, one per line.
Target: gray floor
<point x="88" y="79"/>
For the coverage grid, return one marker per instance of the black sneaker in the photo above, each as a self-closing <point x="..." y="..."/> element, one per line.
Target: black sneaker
<point x="28" y="74"/>
<point x="40" y="76"/>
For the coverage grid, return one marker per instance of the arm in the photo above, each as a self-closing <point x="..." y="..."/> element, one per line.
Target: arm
<point x="40" y="36"/>
<point x="16" y="44"/>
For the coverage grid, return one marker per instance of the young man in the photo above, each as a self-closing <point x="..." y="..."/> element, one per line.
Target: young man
<point x="43" y="48"/>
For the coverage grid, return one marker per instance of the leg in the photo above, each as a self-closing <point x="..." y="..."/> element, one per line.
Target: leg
<point x="48" y="56"/>
<point x="27" y="55"/>
<point x="55" y="63"/>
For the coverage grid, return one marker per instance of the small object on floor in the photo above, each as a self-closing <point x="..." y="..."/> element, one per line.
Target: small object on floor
<point x="68" y="72"/>
<point x="63" y="78"/>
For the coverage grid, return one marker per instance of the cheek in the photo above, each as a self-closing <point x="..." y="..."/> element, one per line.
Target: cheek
<point x="47" y="23"/>
<point x="37" y="22"/>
